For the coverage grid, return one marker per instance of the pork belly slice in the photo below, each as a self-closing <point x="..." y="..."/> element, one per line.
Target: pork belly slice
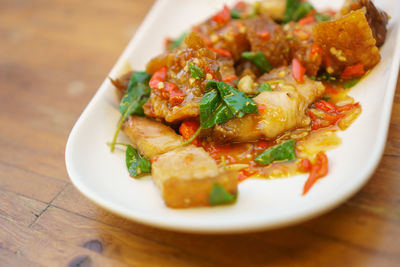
<point x="347" y="41"/>
<point x="150" y="137"/>
<point x="377" y="19"/>
<point x="186" y="176"/>
<point x="283" y="109"/>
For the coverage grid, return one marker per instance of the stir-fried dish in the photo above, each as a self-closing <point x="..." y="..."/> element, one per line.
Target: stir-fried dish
<point x="256" y="90"/>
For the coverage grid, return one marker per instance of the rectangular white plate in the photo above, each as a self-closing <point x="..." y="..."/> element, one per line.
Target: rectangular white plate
<point x="103" y="178"/>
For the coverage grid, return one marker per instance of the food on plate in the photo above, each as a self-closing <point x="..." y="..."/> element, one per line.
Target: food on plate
<point x="257" y="90"/>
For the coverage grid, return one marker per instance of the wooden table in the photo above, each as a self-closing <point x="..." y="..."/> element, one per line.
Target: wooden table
<point x="53" y="56"/>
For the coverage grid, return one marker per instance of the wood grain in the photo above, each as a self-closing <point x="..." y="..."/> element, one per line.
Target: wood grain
<point x="53" y="56"/>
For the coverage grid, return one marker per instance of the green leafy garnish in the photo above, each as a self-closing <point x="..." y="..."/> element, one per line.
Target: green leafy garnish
<point x="177" y="42"/>
<point x="221" y="103"/>
<point x="282" y="152"/>
<point x="350" y="83"/>
<point x="236" y="101"/>
<point x="296" y="10"/>
<point x="132" y="102"/>
<point x="235" y="13"/>
<point x="218" y="195"/>
<point x="264" y="87"/>
<point x="137" y="164"/>
<point x="195" y="71"/>
<point x="259" y="59"/>
<point x="319" y="17"/>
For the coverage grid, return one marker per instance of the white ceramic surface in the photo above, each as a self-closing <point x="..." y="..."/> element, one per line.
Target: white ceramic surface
<point x="262" y="204"/>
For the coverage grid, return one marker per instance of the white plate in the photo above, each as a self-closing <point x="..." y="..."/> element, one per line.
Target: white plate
<point x="262" y="204"/>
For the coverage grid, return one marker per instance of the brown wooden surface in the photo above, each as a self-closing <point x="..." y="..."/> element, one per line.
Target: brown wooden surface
<point x="53" y="56"/>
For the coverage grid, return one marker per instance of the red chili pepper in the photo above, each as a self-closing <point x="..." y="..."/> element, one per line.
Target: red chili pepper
<point x="330" y="90"/>
<point x="347" y="107"/>
<point x="325" y="106"/>
<point x="187" y="130"/>
<point x="158" y="76"/>
<point x="298" y="70"/>
<point x="262" y="144"/>
<point x="316" y="49"/>
<point x="221" y="52"/>
<point x="305" y="165"/>
<point x="229" y="78"/>
<point x="261" y="108"/>
<point x="223" y="16"/>
<point x="172" y="92"/>
<point x="354" y="71"/>
<point x="264" y="35"/>
<point x="244" y="174"/>
<point x="318" y="170"/>
<point x="307" y="20"/>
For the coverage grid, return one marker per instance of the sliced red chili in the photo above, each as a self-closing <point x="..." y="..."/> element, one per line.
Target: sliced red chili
<point x="223" y="16"/>
<point x="307" y="20"/>
<point x="221" y="52"/>
<point x="318" y="170"/>
<point x="188" y="129"/>
<point x="158" y="76"/>
<point x="298" y="70"/>
<point x="354" y="71"/>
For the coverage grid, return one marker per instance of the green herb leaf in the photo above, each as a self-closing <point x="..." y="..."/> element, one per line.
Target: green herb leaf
<point x="237" y="102"/>
<point x="264" y="87"/>
<point x="195" y="71"/>
<point x="213" y="110"/>
<point x="319" y="17"/>
<point x="136" y="95"/>
<point x="137" y="165"/>
<point x="302" y="11"/>
<point x="259" y="59"/>
<point x="291" y="7"/>
<point x="235" y="13"/>
<point x="296" y="10"/>
<point x="177" y="42"/>
<point x="132" y="102"/>
<point x="350" y="83"/>
<point x="218" y="195"/>
<point x="284" y="151"/>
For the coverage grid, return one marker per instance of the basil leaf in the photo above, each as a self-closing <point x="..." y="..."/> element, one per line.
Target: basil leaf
<point x="136" y="95"/>
<point x="296" y="10"/>
<point x="195" y="71"/>
<point x="291" y="7"/>
<point x="213" y="110"/>
<point x="284" y="151"/>
<point x="302" y="11"/>
<point x="351" y="83"/>
<point x="132" y="102"/>
<point x="177" y="42"/>
<point x="319" y="17"/>
<point x="235" y="13"/>
<point x="218" y="195"/>
<point x="222" y="114"/>
<point x="259" y="59"/>
<point x="237" y="101"/>
<point x="137" y="165"/>
<point x="264" y="87"/>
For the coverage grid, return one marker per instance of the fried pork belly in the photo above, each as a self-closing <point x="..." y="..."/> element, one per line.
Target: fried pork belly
<point x="268" y="37"/>
<point x="377" y="19"/>
<point x="186" y="176"/>
<point x="283" y="109"/>
<point x="150" y="137"/>
<point x="347" y="41"/>
<point x="159" y="104"/>
<point x="229" y="35"/>
<point x="302" y="46"/>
